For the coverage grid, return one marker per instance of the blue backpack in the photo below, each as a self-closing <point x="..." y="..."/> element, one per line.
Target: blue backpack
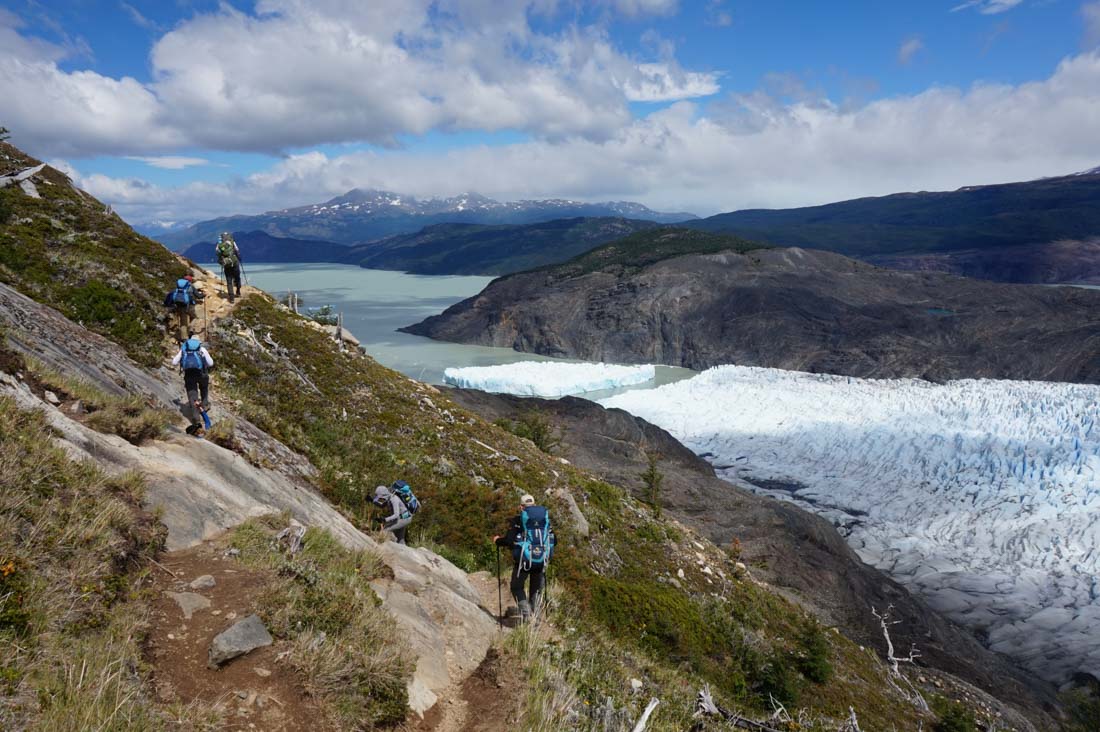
<point x="191" y="358"/>
<point x="405" y="492"/>
<point x="538" y="540"/>
<point x="183" y="294"/>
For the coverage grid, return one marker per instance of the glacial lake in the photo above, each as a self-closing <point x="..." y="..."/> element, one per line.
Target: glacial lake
<point x="375" y="303"/>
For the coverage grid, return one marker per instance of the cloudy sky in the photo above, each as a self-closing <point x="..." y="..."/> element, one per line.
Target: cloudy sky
<point x="180" y="110"/>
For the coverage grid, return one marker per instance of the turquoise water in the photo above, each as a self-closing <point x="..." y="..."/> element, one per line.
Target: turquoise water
<point x="375" y="303"/>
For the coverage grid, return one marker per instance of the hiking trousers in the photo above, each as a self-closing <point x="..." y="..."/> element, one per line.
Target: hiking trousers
<point x="197" y="384"/>
<point x="232" y="280"/>
<point x="184" y="315"/>
<point x="520" y="578"/>
<point x="399" y="528"/>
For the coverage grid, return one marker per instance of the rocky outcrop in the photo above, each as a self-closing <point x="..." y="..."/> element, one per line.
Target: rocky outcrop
<point x="784" y="308"/>
<point x="792" y="549"/>
<point x="200" y="489"/>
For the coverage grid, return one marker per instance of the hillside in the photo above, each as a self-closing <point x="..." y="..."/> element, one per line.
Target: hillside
<point x="691" y="299"/>
<point x="979" y="226"/>
<point x="471" y="249"/>
<point x="100" y="481"/>
<point x="361" y="216"/>
<point x="258" y="246"/>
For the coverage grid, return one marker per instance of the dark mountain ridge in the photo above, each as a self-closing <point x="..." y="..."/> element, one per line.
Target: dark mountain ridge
<point x="985" y="225"/>
<point x="686" y="298"/>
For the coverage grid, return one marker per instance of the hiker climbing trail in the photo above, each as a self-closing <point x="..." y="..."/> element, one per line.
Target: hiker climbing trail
<point x="207" y="592"/>
<point x="217" y="304"/>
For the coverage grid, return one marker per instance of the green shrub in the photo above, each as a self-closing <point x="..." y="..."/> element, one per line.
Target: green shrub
<point x="1082" y="710"/>
<point x="534" y="427"/>
<point x="955" y="718"/>
<point x="814" y="662"/>
<point x="652" y="478"/>
<point x="777" y="681"/>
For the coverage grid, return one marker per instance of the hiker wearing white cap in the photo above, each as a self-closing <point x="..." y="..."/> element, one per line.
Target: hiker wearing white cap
<point x="532" y="542"/>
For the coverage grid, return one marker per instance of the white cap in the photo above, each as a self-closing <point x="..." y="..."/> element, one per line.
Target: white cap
<point x="527" y="500"/>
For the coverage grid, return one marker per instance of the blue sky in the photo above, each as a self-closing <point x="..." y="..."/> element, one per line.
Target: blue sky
<point x="180" y="109"/>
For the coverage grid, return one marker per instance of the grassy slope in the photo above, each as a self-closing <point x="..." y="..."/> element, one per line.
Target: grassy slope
<point x="65" y="250"/>
<point x="983" y="217"/>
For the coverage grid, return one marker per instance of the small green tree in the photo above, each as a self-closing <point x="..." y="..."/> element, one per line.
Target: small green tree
<point x="4" y="134"/>
<point x="534" y="427"/>
<point x="814" y="663"/>
<point x="652" y="477"/>
<point x="956" y="718"/>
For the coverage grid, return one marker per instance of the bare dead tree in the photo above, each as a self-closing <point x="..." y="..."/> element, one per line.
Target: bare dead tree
<point x="885" y="620"/>
<point x="705" y="706"/>
<point x="644" y="720"/>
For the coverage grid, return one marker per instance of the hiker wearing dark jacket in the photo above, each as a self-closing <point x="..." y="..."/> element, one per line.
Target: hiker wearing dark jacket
<point x="182" y="299"/>
<point x="195" y="363"/>
<point x="397" y="523"/>
<point x="524" y="566"/>
<point x="229" y="257"/>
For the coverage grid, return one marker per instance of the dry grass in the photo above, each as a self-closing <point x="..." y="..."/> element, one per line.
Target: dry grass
<point x="130" y="417"/>
<point x="345" y="644"/>
<point x="73" y="545"/>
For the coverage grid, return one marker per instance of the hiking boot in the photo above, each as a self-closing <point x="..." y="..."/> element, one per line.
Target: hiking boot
<point x="524" y="611"/>
<point x="193" y="429"/>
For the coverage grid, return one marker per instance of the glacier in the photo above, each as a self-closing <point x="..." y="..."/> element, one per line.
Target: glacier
<point x="981" y="496"/>
<point x="550" y="379"/>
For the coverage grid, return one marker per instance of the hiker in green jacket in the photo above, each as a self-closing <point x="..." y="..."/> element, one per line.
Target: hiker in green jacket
<point x="229" y="257"/>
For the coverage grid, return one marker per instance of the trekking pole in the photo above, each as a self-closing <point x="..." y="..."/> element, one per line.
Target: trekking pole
<point x="500" y="595"/>
<point x="243" y="273"/>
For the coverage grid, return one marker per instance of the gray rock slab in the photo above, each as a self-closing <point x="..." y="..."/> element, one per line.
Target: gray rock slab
<point x="189" y="602"/>
<point x="204" y="582"/>
<point x="240" y="638"/>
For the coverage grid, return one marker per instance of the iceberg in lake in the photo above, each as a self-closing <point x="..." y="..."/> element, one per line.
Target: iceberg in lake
<point x="981" y="496"/>
<point x="547" y="378"/>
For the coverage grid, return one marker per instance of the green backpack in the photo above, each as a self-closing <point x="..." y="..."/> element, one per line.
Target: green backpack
<point x="227" y="254"/>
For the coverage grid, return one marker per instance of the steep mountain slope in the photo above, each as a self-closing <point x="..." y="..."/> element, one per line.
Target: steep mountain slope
<point x="983" y="224"/>
<point x="258" y="246"/>
<point x="636" y="301"/>
<point x="309" y="428"/>
<point x="366" y="215"/>
<point x="472" y="249"/>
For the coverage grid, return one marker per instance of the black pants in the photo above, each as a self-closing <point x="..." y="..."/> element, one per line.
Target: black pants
<point x="232" y="279"/>
<point x="197" y="384"/>
<point x="519" y="580"/>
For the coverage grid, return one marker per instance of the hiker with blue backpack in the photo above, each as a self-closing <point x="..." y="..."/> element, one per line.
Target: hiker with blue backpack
<point x="402" y="505"/>
<point x="195" y="364"/>
<point x="182" y="299"/>
<point x="532" y="542"/>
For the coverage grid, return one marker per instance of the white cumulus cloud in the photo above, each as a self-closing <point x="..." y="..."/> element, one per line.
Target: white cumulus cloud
<point x="297" y="74"/>
<point x="755" y="151"/>
<point x="1090" y="13"/>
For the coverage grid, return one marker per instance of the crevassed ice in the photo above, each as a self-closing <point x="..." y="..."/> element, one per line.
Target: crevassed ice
<point x="547" y="378"/>
<point x="982" y="496"/>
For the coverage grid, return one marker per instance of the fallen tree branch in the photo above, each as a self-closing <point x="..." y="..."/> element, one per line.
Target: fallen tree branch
<point x="644" y="720"/>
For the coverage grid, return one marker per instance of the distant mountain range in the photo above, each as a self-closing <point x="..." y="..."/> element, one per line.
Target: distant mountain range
<point x="1037" y="231"/>
<point x="360" y="216"/>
